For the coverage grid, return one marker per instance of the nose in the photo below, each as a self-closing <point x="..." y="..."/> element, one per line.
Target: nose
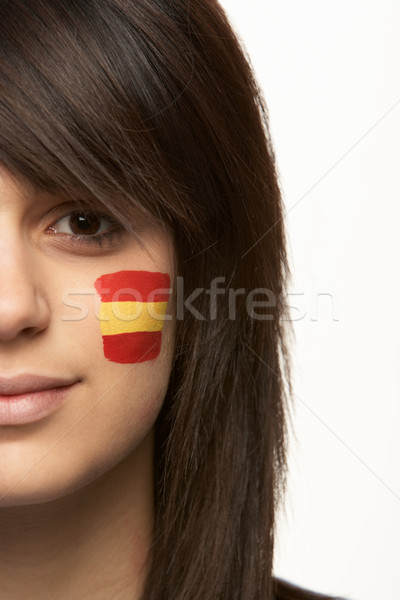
<point x="24" y="310"/>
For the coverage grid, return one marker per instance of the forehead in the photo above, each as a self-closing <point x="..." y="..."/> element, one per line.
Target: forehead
<point x="7" y="179"/>
<point x="13" y="188"/>
<point x="16" y="189"/>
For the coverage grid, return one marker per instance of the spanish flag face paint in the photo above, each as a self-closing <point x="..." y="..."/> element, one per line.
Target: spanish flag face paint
<point x="132" y="313"/>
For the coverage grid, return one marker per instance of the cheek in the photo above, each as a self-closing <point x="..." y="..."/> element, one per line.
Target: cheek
<point x="121" y="422"/>
<point x="132" y="313"/>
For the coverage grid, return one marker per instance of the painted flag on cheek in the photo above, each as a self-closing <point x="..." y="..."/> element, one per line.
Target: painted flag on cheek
<point x="132" y="313"/>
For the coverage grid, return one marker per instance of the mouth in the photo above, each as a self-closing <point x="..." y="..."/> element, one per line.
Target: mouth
<point x="29" y="398"/>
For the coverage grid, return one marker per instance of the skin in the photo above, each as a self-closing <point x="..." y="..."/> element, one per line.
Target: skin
<point x="76" y="496"/>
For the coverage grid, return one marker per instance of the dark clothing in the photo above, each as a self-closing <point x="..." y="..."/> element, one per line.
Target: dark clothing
<point x="287" y="591"/>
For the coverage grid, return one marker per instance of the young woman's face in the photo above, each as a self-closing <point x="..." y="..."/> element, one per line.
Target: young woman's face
<point x="66" y="324"/>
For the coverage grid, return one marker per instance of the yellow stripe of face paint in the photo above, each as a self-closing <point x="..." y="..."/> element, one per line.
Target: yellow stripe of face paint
<point x="128" y="317"/>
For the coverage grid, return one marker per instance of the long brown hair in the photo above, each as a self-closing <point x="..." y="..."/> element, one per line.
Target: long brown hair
<point x="151" y="106"/>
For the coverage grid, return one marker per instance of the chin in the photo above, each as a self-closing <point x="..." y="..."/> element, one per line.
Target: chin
<point x="44" y="483"/>
<point x="36" y="490"/>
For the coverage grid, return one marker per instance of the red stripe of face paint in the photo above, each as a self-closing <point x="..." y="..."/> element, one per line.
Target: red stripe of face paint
<point x="132" y="347"/>
<point x="131" y="286"/>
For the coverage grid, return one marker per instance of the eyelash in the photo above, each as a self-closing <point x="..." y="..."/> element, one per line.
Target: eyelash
<point x="100" y="240"/>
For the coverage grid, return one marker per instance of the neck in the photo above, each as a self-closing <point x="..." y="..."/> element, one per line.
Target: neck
<point x="92" y="543"/>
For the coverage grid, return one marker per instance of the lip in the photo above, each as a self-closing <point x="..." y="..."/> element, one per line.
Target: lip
<point x="29" y="398"/>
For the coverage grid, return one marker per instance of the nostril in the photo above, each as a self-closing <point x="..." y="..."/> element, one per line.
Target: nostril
<point x="22" y="319"/>
<point x="30" y="331"/>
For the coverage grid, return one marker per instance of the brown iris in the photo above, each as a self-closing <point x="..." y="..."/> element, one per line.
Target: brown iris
<point x="84" y="223"/>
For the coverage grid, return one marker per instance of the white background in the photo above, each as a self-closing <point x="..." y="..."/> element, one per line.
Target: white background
<point x="330" y="72"/>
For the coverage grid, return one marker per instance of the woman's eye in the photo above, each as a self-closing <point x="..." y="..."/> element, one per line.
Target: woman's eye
<point x="87" y="228"/>
<point x="81" y="223"/>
